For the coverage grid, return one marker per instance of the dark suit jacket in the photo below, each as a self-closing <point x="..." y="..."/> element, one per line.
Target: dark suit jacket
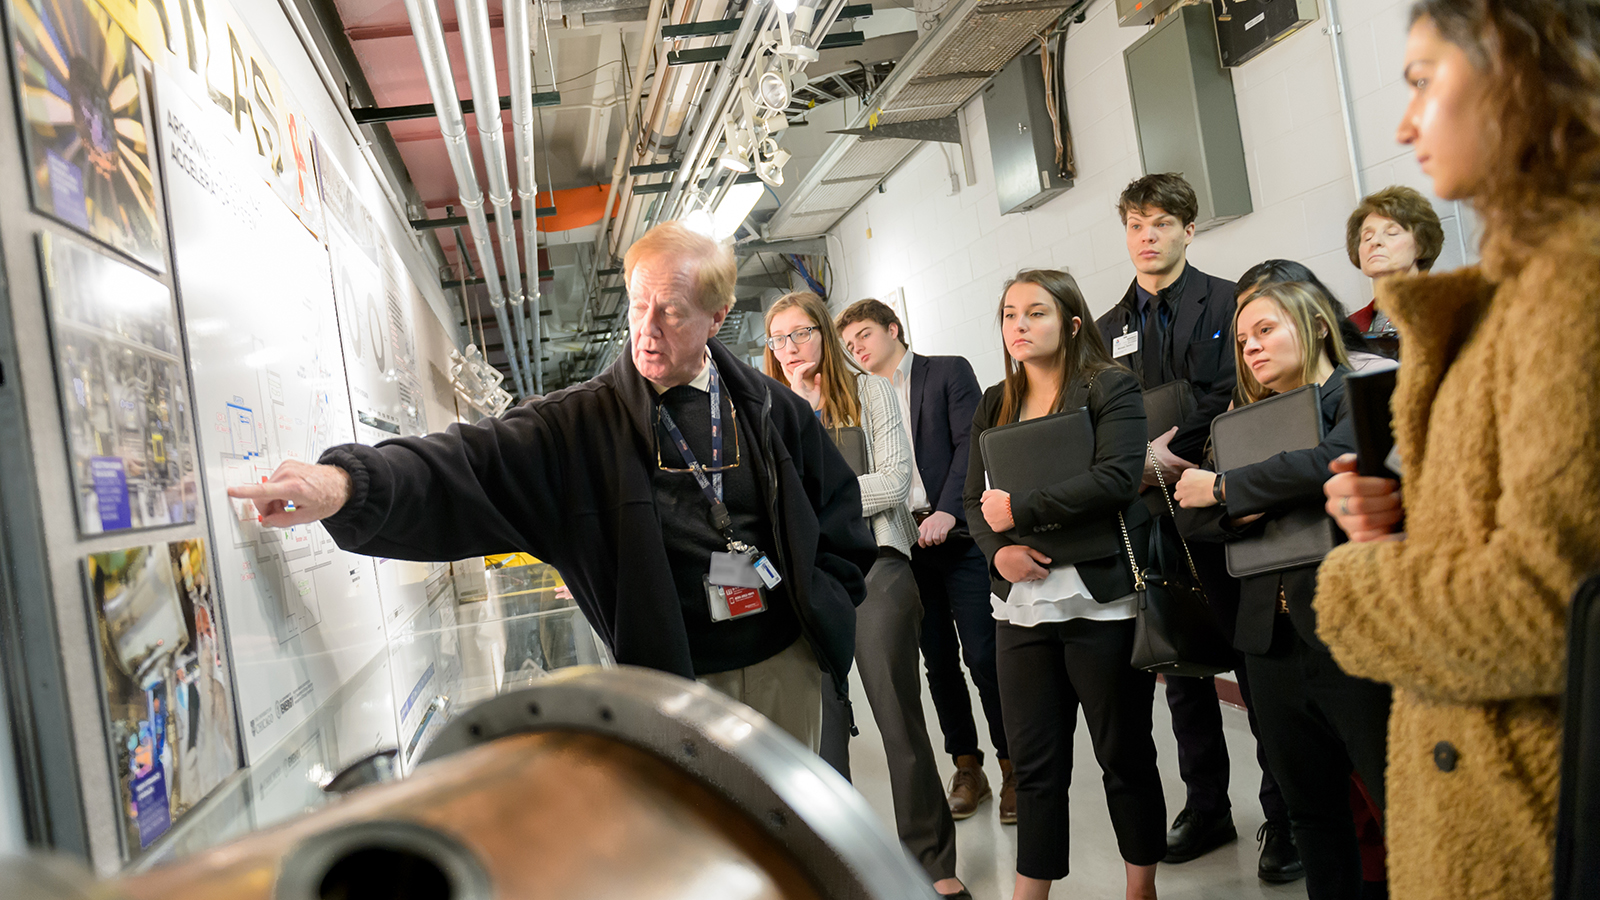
<point x="1271" y="487"/>
<point x="1109" y="486"/>
<point x="944" y="395"/>
<point x="1202" y="351"/>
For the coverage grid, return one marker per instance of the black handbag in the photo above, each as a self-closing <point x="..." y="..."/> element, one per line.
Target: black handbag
<point x="852" y="443"/>
<point x="1175" y="631"/>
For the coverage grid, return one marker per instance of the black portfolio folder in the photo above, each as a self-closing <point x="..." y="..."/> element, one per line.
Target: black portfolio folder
<point x="1369" y="394"/>
<point x="1258" y="432"/>
<point x="852" y="443"/>
<point x="1025" y="456"/>
<point x="1577" y="869"/>
<point x="1167" y="407"/>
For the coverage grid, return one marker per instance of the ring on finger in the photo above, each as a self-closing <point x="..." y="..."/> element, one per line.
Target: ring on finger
<point x="1344" y="506"/>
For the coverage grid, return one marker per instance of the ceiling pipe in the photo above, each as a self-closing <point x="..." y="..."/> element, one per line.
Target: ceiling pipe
<point x="709" y="121"/>
<point x="652" y="36"/>
<point x="477" y="42"/>
<point x="519" y="63"/>
<point x="424" y="16"/>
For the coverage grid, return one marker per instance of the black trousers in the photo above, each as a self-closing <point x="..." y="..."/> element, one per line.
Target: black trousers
<point x="958" y="624"/>
<point x="1317" y="724"/>
<point x="1046" y="672"/>
<point x="1197" y="714"/>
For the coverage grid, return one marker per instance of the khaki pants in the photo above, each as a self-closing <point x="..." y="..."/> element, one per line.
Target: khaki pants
<point x="786" y="688"/>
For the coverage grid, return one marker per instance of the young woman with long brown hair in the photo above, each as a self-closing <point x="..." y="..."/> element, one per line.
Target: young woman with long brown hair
<point x="804" y="352"/>
<point x="1064" y="629"/>
<point x="1496" y="417"/>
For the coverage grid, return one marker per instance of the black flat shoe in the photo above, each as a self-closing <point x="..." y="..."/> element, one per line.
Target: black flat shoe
<point x="1195" y="834"/>
<point x="1280" y="860"/>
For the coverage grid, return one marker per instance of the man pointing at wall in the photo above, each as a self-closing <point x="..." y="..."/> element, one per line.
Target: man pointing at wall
<point x="703" y="520"/>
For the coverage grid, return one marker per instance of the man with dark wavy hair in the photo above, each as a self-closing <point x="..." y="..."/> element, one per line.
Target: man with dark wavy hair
<point x="938" y="395"/>
<point x="1176" y="323"/>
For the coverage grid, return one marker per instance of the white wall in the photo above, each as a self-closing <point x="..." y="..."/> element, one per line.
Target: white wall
<point x="952" y="252"/>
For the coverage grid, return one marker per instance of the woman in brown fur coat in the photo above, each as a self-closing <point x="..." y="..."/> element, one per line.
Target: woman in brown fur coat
<point x="1457" y="595"/>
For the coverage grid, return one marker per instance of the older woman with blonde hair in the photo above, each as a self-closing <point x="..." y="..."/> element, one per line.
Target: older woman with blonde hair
<point x="1457" y="593"/>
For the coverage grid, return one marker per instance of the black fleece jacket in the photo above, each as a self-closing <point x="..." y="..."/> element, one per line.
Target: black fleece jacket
<point x="568" y="479"/>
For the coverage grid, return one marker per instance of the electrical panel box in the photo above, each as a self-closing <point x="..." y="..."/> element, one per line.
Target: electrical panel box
<point x="1133" y="13"/>
<point x="1022" y="140"/>
<point x="1184" y="112"/>
<point x="1247" y="27"/>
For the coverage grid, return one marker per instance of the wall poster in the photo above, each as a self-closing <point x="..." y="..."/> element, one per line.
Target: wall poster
<point x="124" y="394"/>
<point x="269" y="382"/>
<point x="165" y="669"/>
<point x="86" y="123"/>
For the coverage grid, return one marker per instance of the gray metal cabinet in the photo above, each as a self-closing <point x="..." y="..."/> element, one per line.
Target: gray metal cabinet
<point x="1184" y="111"/>
<point x="1021" y="141"/>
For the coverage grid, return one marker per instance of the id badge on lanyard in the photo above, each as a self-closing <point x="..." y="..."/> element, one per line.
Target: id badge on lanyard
<point x="739" y="579"/>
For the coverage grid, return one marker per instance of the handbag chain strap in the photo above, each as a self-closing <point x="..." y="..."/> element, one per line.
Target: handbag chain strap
<point x="1161" y="481"/>
<point x="1138" y="576"/>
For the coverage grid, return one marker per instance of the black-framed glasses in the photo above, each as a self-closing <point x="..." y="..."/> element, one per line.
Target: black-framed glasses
<point x="799" y="336"/>
<point x="709" y="470"/>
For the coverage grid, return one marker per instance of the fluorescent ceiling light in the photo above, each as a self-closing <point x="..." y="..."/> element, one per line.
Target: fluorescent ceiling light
<point x="734" y="209"/>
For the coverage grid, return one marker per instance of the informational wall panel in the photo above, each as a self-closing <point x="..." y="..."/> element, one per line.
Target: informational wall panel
<point x="257" y="298"/>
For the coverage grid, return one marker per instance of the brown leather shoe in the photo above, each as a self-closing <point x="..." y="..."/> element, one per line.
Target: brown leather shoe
<point x="1008" y="794"/>
<point x="968" y="787"/>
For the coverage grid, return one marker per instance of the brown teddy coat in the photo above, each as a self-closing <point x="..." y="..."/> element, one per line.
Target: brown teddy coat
<point x="1497" y="419"/>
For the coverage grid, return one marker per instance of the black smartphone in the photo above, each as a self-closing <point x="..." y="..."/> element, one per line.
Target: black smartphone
<point x="1369" y="393"/>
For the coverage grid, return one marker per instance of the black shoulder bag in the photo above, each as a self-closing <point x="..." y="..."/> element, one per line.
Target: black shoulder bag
<point x="1175" y="631"/>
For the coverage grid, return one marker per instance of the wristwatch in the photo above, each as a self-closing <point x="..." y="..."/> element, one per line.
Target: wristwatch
<point x="1216" y="490"/>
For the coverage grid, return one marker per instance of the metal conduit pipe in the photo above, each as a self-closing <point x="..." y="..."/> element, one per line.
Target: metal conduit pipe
<point x="674" y="99"/>
<point x="710" y="120"/>
<point x="477" y="43"/>
<point x="652" y="19"/>
<point x="424" y="16"/>
<point x="519" y="63"/>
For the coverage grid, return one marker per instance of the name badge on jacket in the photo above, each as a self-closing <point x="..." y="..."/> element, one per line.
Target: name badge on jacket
<point x="1125" y="344"/>
<point x="734" y="587"/>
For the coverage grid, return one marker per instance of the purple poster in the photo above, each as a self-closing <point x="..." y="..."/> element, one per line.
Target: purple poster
<point x="110" y="482"/>
<point x="153" y="812"/>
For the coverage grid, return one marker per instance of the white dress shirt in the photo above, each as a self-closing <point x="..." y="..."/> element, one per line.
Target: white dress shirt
<point x="901" y="379"/>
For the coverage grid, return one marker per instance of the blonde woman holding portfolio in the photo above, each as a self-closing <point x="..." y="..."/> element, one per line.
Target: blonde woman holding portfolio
<point x="1064" y="629"/>
<point x="804" y="352"/>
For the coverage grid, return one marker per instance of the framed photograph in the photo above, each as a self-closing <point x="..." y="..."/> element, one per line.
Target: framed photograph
<point x="86" y="124"/>
<point x="124" y="390"/>
<point x="167" y="677"/>
<point x="896" y="300"/>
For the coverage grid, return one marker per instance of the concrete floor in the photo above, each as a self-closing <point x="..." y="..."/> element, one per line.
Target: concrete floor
<point x="987" y="850"/>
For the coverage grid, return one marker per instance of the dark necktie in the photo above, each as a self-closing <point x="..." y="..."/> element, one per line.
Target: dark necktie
<point x="1156" y="341"/>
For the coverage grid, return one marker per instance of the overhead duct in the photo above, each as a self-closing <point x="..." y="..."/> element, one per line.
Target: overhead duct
<point x="519" y="64"/>
<point x="476" y="42"/>
<point x="943" y="70"/>
<point x="424" y="16"/>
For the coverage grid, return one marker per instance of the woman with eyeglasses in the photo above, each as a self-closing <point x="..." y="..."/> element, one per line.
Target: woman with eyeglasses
<point x="804" y="351"/>
<point x="1064" y="629"/>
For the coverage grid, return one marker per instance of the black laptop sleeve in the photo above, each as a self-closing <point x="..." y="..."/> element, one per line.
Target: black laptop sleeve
<point x="1025" y="456"/>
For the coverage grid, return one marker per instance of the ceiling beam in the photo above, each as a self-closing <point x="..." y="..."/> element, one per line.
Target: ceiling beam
<point x="370" y="115"/>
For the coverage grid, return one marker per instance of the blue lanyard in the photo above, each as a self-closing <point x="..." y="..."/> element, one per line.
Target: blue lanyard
<point x="711" y="487"/>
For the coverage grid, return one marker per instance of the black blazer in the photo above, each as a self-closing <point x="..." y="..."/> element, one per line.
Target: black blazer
<point x="1111" y="485"/>
<point x="1202" y="351"/>
<point x="1272" y="486"/>
<point x="944" y="395"/>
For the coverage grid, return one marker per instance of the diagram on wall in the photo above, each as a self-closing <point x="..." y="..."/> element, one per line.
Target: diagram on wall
<point x="124" y="394"/>
<point x="165" y="668"/>
<point x="81" y="87"/>
<point x="374" y="299"/>
<point x="269" y="386"/>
